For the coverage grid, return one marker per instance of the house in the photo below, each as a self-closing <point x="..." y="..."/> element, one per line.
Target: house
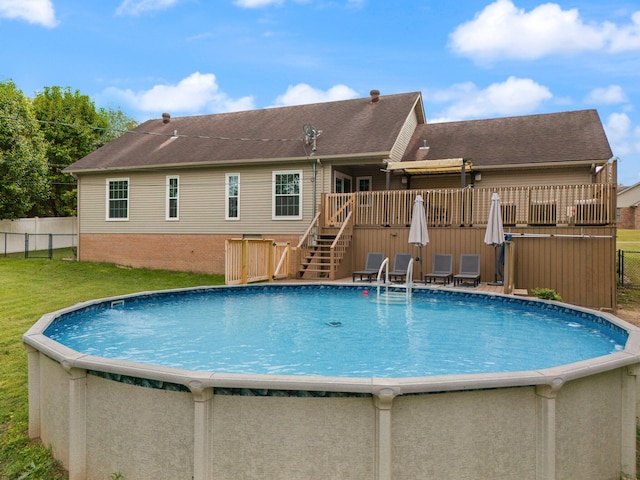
<point x="172" y="191"/>
<point x="627" y="212"/>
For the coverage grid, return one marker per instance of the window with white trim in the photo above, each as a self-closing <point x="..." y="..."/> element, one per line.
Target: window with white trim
<point x="117" y="199"/>
<point x="363" y="184"/>
<point x="173" y="189"/>
<point x="287" y="195"/>
<point x="232" y="196"/>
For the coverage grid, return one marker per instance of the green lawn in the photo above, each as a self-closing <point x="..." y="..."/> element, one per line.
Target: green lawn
<point x="628" y="240"/>
<point x="30" y="288"/>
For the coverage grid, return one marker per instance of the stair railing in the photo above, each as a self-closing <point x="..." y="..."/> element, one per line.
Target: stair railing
<point x="340" y="244"/>
<point x="310" y="237"/>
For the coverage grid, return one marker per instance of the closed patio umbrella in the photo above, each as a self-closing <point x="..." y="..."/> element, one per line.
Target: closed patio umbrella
<point x="495" y="230"/>
<point x="418" y="234"/>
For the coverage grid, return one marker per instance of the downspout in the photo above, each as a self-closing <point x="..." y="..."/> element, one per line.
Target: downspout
<point x="387" y="176"/>
<point x="314" y="181"/>
<point x="462" y="185"/>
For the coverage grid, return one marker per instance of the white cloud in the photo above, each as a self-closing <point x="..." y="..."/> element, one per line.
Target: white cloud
<point x="33" y="11"/>
<point x="198" y="93"/>
<point x="515" y="96"/>
<point x="257" y="3"/>
<point x="302" y="94"/>
<point x="625" y="143"/>
<point x="624" y="138"/>
<point x="607" y="96"/>
<point x="137" y="7"/>
<point x="502" y="30"/>
<point x="628" y="37"/>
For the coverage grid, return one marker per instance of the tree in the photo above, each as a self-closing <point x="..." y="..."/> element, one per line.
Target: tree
<point x="23" y="164"/>
<point x="118" y="123"/>
<point x="72" y="128"/>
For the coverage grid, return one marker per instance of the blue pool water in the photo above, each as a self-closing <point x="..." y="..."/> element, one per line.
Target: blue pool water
<point x="336" y="332"/>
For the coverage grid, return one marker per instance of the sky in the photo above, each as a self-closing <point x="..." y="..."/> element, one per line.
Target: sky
<point x="473" y="59"/>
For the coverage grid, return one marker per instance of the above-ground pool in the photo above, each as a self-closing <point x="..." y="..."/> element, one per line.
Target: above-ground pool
<point x="333" y="331"/>
<point x="329" y="381"/>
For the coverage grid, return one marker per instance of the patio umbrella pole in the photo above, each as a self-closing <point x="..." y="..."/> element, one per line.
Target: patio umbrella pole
<point x="495" y="259"/>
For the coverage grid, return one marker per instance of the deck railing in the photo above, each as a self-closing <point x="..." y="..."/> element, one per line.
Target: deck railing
<point x="588" y="204"/>
<point x="255" y="260"/>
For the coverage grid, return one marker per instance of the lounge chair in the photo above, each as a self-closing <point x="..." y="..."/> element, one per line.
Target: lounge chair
<point x="442" y="269"/>
<point x="374" y="260"/>
<point x="400" y="266"/>
<point x="469" y="270"/>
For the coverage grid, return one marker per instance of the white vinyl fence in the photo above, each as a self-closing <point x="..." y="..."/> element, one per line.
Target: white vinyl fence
<point x="37" y="234"/>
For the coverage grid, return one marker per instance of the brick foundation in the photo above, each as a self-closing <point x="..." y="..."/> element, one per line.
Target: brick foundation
<point x="185" y="253"/>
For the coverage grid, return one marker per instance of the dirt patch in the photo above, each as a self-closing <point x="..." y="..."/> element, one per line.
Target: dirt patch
<point x="632" y="316"/>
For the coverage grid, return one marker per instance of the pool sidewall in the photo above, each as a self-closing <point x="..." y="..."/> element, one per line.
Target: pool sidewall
<point x="98" y="418"/>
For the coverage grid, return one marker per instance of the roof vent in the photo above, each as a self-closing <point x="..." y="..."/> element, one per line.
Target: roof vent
<point x="375" y="96"/>
<point x="166" y="118"/>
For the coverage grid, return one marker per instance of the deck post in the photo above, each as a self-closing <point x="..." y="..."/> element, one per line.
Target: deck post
<point x="244" y="256"/>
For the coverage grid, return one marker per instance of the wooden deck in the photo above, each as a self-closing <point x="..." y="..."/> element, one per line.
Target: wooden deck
<point x="483" y="287"/>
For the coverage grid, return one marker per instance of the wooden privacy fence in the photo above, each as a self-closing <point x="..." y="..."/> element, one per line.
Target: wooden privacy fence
<point x="570" y="205"/>
<point x="250" y="260"/>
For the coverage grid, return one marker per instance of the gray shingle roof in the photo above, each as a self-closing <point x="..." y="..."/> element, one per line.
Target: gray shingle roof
<point x="349" y="127"/>
<point x="532" y="139"/>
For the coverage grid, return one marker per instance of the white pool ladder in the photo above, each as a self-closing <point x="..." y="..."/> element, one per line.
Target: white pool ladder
<point x="394" y="296"/>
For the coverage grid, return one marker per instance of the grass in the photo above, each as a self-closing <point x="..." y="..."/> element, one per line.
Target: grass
<point x="28" y="289"/>
<point x="628" y="240"/>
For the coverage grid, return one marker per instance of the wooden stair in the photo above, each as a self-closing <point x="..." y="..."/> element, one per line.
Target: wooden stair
<point x="317" y="260"/>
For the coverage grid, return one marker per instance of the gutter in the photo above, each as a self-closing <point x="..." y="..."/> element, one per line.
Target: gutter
<point x="347" y="158"/>
<point x="541" y="165"/>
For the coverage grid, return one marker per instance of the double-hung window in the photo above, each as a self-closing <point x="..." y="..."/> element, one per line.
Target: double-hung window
<point x="287" y="195"/>
<point x="232" y="196"/>
<point x="118" y="199"/>
<point x="173" y="184"/>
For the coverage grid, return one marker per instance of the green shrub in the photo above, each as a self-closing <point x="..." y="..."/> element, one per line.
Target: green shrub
<point x="546" y="294"/>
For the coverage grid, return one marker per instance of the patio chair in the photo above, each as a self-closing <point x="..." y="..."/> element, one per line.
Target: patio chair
<point x="442" y="269"/>
<point x="374" y="260"/>
<point x="469" y="270"/>
<point x="400" y="266"/>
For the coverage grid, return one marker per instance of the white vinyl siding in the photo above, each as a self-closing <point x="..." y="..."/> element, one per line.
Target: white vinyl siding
<point x="232" y="196"/>
<point x="287" y="195"/>
<point x="117" y="204"/>
<point x="400" y="146"/>
<point x="173" y="195"/>
<point x="202" y="203"/>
